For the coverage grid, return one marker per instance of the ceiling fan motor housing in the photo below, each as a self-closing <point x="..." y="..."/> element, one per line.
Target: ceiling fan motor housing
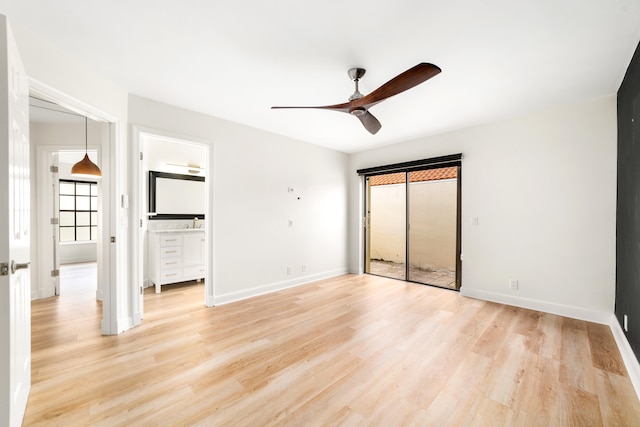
<point x="358" y="111"/>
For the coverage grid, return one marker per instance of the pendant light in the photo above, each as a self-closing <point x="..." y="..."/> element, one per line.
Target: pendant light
<point x="85" y="167"/>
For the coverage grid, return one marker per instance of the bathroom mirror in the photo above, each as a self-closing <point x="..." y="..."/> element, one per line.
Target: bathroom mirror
<point x="175" y="196"/>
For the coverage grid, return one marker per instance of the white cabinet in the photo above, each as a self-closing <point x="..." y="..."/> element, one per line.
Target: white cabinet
<point x="175" y="256"/>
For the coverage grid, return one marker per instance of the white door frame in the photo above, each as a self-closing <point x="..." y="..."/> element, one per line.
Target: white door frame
<point x="109" y="207"/>
<point x="139" y="206"/>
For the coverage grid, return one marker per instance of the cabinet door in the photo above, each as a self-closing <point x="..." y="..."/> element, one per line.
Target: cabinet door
<point x="193" y="249"/>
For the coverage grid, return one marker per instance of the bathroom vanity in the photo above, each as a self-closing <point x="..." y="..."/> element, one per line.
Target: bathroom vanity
<point x="176" y="256"/>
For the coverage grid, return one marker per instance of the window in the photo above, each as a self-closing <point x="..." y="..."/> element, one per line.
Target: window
<point x="78" y="211"/>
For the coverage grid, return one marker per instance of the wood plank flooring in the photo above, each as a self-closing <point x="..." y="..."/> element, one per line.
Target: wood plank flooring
<point x="356" y="350"/>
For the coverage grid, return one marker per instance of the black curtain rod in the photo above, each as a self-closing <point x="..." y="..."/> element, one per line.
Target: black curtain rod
<point x="434" y="162"/>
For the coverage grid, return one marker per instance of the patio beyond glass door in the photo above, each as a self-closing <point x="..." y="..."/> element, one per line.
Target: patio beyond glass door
<point x="432" y="244"/>
<point x="386" y="231"/>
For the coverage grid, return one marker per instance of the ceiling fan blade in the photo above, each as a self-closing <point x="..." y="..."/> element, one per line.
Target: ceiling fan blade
<point x="370" y="122"/>
<point x="344" y="107"/>
<point x="404" y="81"/>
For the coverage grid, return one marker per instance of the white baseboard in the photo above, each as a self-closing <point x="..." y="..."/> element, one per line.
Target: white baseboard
<point x="628" y="356"/>
<point x="78" y="260"/>
<point x="273" y="287"/>
<point x="573" y="312"/>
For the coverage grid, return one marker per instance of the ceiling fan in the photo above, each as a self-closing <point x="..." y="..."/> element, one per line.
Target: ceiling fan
<point x="359" y="104"/>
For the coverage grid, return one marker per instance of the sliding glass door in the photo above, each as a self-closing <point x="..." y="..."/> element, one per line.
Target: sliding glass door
<point x="432" y="226"/>
<point x="412" y="225"/>
<point x="387" y="212"/>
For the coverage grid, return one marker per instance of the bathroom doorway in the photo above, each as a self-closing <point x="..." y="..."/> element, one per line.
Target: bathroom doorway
<point x="174" y="204"/>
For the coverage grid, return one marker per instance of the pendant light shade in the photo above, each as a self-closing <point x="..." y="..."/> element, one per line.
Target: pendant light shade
<point x="85" y="167"/>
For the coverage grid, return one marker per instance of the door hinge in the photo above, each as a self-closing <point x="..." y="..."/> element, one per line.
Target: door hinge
<point x="141" y="156"/>
<point x="141" y="291"/>
<point x="55" y="273"/>
<point x="4" y="269"/>
<point x="140" y="223"/>
<point x="54" y="221"/>
<point x="53" y="169"/>
<point x="113" y="239"/>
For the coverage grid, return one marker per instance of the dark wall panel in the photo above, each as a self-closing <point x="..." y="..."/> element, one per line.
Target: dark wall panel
<point x="628" y="205"/>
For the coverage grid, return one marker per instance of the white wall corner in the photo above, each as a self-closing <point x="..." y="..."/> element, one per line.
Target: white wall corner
<point x="209" y="301"/>
<point x="628" y="356"/>
<point x="36" y="294"/>
<point x="124" y="324"/>
<point x="545" y="306"/>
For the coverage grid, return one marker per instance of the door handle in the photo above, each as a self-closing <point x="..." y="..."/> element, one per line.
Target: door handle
<point x="18" y="266"/>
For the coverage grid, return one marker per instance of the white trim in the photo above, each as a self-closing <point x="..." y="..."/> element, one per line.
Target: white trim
<point x="628" y="356"/>
<point x="573" y="312"/>
<point x="123" y="324"/>
<point x="274" y="287"/>
<point x="209" y="301"/>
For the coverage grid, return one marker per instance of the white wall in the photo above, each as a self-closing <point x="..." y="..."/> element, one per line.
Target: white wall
<point x="543" y="187"/>
<point x="251" y="174"/>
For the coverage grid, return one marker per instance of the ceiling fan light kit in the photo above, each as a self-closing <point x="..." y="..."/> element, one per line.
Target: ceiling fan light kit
<point x="359" y="104"/>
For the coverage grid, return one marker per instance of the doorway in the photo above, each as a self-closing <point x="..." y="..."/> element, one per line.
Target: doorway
<point x="172" y="244"/>
<point x="412" y="223"/>
<point x="72" y="213"/>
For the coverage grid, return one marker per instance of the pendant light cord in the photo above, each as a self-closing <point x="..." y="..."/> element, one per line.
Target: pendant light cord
<point x="86" y="136"/>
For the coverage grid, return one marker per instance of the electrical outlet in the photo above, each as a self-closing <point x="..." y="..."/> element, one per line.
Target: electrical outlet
<point x="289" y="270"/>
<point x="513" y="284"/>
<point x="304" y="267"/>
<point x="626" y="323"/>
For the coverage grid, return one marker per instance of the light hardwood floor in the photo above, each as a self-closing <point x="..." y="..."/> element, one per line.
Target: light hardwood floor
<point x="352" y="350"/>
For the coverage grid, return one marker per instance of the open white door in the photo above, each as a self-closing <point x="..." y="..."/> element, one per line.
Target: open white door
<point x="15" y="286"/>
<point x="55" y="221"/>
<point x="48" y="219"/>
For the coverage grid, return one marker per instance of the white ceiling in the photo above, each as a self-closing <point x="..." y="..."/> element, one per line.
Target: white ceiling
<point x="235" y="60"/>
